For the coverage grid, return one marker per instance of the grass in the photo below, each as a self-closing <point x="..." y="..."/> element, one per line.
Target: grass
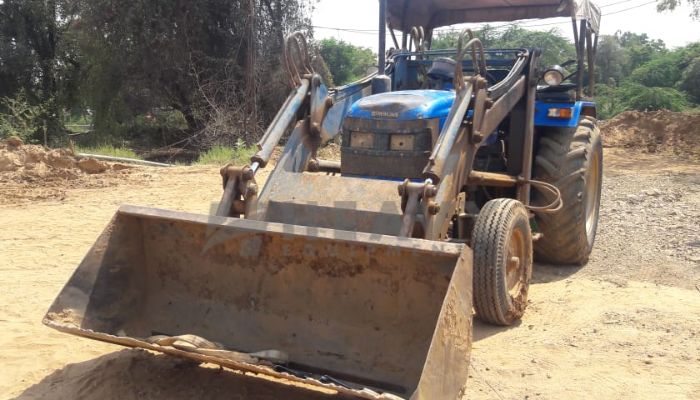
<point x="221" y="155"/>
<point x="108" y="150"/>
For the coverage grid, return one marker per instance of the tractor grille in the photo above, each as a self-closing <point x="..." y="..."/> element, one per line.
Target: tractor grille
<point x="387" y="148"/>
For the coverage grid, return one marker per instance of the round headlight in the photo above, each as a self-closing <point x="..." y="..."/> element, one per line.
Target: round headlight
<point x="553" y="77"/>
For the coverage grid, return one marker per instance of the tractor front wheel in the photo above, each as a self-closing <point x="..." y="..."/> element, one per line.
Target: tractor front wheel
<point x="502" y="245"/>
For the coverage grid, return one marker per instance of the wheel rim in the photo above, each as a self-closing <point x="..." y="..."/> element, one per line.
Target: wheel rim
<point x="516" y="263"/>
<point x="591" y="195"/>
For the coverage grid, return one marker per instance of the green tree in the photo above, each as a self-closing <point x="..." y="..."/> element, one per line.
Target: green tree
<point x="214" y="61"/>
<point x="662" y="71"/>
<point x="639" y="48"/>
<point x="556" y="49"/>
<point x="643" y="98"/>
<point x="36" y="60"/>
<point x="611" y="60"/>
<point x="690" y="80"/>
<point x="345" y="61"/>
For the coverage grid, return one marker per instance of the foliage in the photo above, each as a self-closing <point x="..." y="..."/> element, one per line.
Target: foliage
<point x="664" y="5"/>
<point x="220" y="155"/>
<point x="611" y="60"/>
<point x="20" y="118"/>
<point x="640" y="97"/>
<point x="36" y="61"/>
<point x="346" y="62"/>
<point x="108" y="150"/>
<point x="609" y="101"/>
<point x="556" y="48"/>
<point x="662" y="71"/>
<point x="125" y="59"/>
<point x="690" y="80"/>
<point x="639" y="73"/>
<point x="634" y="96"/>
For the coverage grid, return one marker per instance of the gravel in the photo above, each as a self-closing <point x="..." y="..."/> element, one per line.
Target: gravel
<point x="649" y="230"/>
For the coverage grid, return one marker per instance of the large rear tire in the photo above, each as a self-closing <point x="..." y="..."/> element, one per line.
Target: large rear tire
<point x="502" y="245"/>
<point x="571" y="160"/>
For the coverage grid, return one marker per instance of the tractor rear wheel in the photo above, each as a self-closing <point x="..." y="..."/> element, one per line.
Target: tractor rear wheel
<point x="571" y="160"/>
<point x="502" y="245"/>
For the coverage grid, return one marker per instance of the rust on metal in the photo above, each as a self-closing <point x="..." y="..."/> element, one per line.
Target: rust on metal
<point x="254" y="287"/>
<point x="240" y="191"/>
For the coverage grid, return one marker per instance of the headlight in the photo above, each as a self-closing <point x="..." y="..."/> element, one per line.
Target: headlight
<point x="361" y="140"/>
<point x="554" y="76"/>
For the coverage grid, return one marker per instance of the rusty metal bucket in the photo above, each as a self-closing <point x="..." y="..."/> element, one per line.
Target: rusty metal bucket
<point x="368" y="316"/>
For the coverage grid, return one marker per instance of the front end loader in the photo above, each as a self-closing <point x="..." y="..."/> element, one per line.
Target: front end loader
<point x="362" y="275"/>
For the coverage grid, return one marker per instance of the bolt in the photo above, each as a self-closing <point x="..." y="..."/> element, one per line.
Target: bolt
<point x="433" y="208"/>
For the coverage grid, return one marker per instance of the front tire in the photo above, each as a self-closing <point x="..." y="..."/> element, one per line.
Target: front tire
<point x="502" y="245"/>
<point x="571" y="160"/>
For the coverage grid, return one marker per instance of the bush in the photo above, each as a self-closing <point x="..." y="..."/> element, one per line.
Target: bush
<point x="220" y="155"/>
<point x="20" y="118"/>
<point x="642" y="98"/>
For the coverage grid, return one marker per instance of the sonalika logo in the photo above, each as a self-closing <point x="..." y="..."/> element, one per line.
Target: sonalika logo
<point x="385" y="114"/>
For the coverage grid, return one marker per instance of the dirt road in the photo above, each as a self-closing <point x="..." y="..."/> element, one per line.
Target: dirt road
<point x="627" y="325"/>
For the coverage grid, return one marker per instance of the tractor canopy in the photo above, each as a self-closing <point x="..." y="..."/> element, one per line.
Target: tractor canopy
<point x="430" y="14"/>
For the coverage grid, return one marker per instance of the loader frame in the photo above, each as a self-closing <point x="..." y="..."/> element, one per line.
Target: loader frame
<point x="357" y="284"/>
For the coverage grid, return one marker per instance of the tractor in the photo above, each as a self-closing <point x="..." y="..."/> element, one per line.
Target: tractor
<point x="458" y="169"/>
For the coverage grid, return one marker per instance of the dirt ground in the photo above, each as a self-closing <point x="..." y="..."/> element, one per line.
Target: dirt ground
<point x="627" y="325"/>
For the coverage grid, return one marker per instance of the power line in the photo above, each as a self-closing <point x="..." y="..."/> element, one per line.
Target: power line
<point x="631" y="8"/>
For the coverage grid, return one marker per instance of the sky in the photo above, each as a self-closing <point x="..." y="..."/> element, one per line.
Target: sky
<point x="675" y="28"/>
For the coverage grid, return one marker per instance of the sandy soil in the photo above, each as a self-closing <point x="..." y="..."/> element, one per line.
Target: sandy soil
<point x="627" y="325"/>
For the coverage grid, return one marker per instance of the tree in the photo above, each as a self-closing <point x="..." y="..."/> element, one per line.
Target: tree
<point x="643" y="98"/>
<point x="556" y="49"/>
<point x="639" y="48"/>
<point x="36" y="60"/>
<point x="209" y="59"/>
<point x="611" y="60"/>
<point x="345" y="61"/>
<point x="665" y="5"/>
<point x="662" y="71"/>
<point x="690" y="80"/>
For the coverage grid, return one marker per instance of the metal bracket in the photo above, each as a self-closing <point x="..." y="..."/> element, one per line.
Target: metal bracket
<point x="240" y="192"/>
<point x="321" y="102"/>
<point x="412" y="193"/>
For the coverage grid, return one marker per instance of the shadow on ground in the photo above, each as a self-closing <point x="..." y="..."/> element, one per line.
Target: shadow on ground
<point x="137" y="374"/>
<point x="546" y="273"/>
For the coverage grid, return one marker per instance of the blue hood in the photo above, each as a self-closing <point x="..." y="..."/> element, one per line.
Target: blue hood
<point x="404" y="105"/>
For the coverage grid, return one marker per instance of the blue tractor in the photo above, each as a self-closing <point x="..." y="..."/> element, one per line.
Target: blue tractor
<point x="457" y="169"/>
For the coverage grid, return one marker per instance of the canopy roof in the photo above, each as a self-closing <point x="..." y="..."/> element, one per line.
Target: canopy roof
<point x="405" y="14"/>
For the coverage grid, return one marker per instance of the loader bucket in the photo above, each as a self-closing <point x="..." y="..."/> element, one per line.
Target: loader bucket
<point x="368" y="316"/>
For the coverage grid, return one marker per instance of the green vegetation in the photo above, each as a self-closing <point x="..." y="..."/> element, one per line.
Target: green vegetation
<point x="130" y="62"/>
<point x="633" y="71"/>
<point x="638" y="73"/>
<point x="20" y="118"/>
<point x="556" y="48"/>
<point x="149" y="74"/>
<point x="346" y="62"/>
<point x="221" y="155"/>
<point x="108" y="150"/>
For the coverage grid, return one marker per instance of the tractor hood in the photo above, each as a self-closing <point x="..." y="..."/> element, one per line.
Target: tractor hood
<point x="404" y="105"/>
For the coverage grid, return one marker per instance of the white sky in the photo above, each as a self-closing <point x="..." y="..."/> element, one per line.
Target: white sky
<point x="675" y="28"/>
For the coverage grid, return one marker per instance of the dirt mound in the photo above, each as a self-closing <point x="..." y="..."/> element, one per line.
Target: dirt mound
<point x="655" y="132"/>
<point x="35" y="172"/>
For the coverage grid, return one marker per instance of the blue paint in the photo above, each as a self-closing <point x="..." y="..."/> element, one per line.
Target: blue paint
<point x="405" y="105"/>
<point x="542" y="108"/>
